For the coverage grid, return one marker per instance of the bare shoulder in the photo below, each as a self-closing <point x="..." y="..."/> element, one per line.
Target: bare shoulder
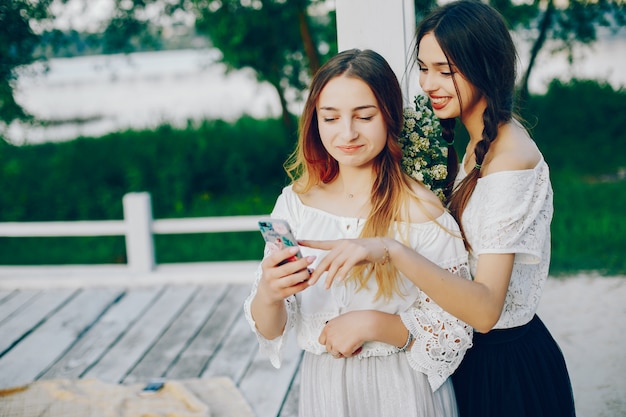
<point x="428" y="207"/>
<point x="513" y="150"/>
<point x="313" y="196"/>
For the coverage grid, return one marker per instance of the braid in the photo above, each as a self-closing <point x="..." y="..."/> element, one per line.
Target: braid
<point x="461" y="196"/>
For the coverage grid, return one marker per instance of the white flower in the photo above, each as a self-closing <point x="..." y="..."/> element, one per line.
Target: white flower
<point x="424" y="152"/>
<point x="439" y="171"/>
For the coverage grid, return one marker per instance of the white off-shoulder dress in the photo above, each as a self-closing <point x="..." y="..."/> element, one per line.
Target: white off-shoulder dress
<point x="517" y="369"/>
<point x="380" y="381"/>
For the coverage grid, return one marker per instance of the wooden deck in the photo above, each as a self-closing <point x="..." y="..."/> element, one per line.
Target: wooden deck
<point x="183" y="323"/>
<point x="136" y="333"/>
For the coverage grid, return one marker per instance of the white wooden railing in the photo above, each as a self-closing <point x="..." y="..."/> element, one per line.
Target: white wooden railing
<point x="138" y="227"/>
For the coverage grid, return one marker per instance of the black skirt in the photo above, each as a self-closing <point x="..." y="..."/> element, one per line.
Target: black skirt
<point x="517" y="372"/>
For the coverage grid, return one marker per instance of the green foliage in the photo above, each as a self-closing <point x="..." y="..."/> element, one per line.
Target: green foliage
<point x="568" y="23"/>
<point x="62" y="250"/>
<point x="209" y="247"/>
<point x="579" y="126"/>
<point x="217" y="169"/>
<point x="571" y="21"/>
<point x="280" y="40"/>
<point x="17" y="42"/>
<point x="423" y="7"/>
<point x="589" y="226"/>
<point x="182" y="169"/>
<point x="283" y="41"/>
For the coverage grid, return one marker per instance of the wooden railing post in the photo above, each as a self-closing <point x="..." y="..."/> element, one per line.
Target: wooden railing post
<point x="139" y="240"/>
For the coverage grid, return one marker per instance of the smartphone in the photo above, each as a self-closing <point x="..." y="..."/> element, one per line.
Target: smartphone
<point x="277" y="234"/>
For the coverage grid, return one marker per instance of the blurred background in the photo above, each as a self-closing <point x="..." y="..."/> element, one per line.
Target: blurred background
<point x="197" y="103"/>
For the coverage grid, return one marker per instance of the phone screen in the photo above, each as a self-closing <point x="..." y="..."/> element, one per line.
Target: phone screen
<point x="277" y="234"/>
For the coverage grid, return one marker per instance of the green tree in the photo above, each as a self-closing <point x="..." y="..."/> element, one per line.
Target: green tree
<point x="281" y="40"/>
<point x="573" y="23"/>
<point x="568" y="23"/>
<point x="17" y="43"/>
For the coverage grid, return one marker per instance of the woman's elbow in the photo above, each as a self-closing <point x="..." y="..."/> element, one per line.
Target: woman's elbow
<point x="487" y="320"/>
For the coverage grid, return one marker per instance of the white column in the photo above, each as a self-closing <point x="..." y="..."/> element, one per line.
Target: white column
<point x="385" y="26"/>
<point x="139" y="241"/>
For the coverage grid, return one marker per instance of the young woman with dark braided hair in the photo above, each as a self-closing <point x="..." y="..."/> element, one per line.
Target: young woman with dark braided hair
<point x="503" y="202"/>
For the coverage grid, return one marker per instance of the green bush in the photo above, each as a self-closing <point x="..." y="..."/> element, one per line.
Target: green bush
<point x="580" y="126"/>
<point x="181" y="168"/>
<point x="589" y="226"/>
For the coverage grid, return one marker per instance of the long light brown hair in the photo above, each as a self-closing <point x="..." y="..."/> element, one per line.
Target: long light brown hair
<point x="310" y="164"/>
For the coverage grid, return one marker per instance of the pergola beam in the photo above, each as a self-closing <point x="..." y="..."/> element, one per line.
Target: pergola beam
<point x="385" y="26"/>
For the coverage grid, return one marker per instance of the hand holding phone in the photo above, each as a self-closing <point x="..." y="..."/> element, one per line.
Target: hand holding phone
<point x="277" y="234"/>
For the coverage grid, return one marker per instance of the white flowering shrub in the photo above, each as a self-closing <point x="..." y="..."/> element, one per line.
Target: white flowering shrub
<point x="424" y="152"/>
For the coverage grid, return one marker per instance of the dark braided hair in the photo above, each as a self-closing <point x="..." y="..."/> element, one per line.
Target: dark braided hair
<point x="476" y="40"/>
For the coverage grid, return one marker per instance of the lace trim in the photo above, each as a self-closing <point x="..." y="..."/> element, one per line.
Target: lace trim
<point x="441" y="340"/>
<point x="273" y="348"/>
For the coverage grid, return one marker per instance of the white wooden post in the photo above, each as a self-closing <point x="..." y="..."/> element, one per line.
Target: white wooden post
<point x="139" y="241"/>
<point x="385" y="26"/>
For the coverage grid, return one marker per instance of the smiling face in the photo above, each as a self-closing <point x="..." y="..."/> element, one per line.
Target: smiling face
<point x="450" y="93"/>
<point x="351" y="125"/>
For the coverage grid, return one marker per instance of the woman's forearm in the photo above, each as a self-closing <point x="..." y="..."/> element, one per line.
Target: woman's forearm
<point x="478" y="303"/>
<point x="388" y="328"/>
<point x="270" y="317"/>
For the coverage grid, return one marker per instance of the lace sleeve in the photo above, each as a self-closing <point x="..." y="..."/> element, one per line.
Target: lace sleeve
<point x="283" y="208"/>
<point x="513" y="216"/>
<point x="440" y="338"/>
<point x="271" y="348"/>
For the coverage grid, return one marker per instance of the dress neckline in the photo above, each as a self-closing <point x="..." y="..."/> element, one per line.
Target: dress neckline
<point x="463" y="173"/>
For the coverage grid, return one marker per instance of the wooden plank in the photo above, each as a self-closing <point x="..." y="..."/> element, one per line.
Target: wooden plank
<point x="165" y="351"/>
<point x="14" y="302"/>
<point x="267" y="398"/>
<point x="6" y="294"/>
<point x="207" y="224"/>
<point x="127" y="352"/>
<point x="234" y="356"/>
<point x="60" y="228"/>
<point x="290" y="407"/>
<point x="39" y="349"/>
<point x="194" y="359"/>
<point x="125" y="311"/>
<point x="33" y="313"/>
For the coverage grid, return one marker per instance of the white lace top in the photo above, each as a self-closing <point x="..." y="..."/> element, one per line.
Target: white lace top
<point x="440" y="339"/>
<point x="510" y="212"/>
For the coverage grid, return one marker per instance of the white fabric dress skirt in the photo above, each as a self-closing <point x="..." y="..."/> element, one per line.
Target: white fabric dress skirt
<point x="370" y="387"/>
